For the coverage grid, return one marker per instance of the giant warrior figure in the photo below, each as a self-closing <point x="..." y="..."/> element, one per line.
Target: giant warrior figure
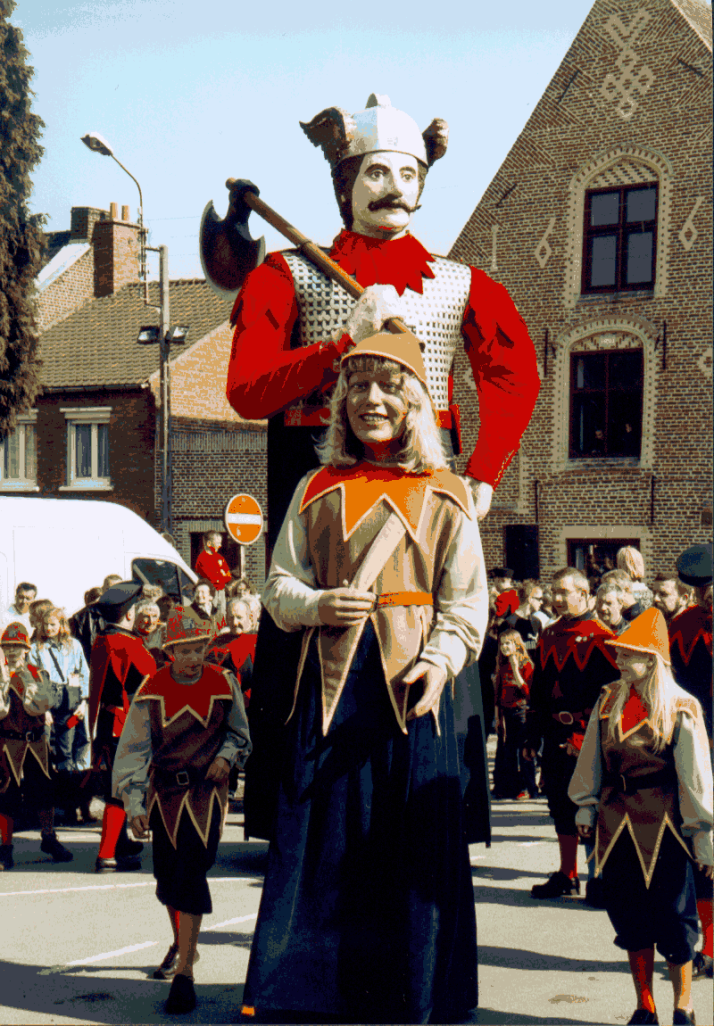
<point x="293" y="324"/>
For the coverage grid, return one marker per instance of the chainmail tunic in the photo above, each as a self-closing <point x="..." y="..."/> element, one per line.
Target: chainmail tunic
<point x="435" y="317"/>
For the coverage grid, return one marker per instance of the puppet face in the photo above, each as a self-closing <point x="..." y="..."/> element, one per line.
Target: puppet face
<point x="15" y="655"/>
<point x="385" y="194"/>
<point x="238" y="618"/>
<point x="568" y="599"/>
<point x="376" y="406"/>
<point x="633" y="665"/>
<point x="188" y="657"/>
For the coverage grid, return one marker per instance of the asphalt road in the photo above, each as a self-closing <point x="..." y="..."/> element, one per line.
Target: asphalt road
<point x="76" y="947"/>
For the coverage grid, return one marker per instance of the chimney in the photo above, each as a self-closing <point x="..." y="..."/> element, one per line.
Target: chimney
<point x="116" y="253"/>
<point x="125" y="214"/>
<point x="83" y="221"/>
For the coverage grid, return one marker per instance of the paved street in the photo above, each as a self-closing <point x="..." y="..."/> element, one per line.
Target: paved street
<point x="76" y="947"/>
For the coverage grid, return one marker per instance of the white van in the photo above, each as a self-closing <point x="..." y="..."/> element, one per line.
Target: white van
<point x="67" y="546"/>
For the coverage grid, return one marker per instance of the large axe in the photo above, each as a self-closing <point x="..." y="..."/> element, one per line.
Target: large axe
<point x="229" y="253"/>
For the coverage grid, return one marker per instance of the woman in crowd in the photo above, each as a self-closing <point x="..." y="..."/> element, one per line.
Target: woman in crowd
<point x="55" y="651"/>
<point x="513" y="777"/>
<point x="379" y="564"/>
<point x="643" y="782"/>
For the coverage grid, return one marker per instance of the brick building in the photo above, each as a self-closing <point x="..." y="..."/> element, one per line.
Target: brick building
<point x="95" y="429"/>
<point x="599" y="223"/>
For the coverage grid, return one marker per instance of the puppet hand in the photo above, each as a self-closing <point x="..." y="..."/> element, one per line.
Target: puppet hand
<point x="434" y="680"/>
<point x="707" y="870"/>
<point x="140" y="826"/>
<point x="219" y="770"/>
<point x="570" y="749"/>
<point x="585" y="832"/>
<point x="377" y="304"/>
<point x="482" y="494"/>
<point x="343" y="607"/>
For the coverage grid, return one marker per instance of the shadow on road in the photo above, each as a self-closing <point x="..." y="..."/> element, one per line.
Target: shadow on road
<point x="520" y="898"/>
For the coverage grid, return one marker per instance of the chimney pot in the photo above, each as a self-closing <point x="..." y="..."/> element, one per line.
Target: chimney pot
<point x="113" y="211"/>
<point x="125" y="214"/>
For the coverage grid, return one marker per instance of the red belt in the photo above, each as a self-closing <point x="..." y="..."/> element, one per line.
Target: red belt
<point x="318" y="416"/>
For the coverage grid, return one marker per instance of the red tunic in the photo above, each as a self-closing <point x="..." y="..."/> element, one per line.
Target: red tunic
<point x="508" y="694"/>
<point x="214" y="568"/>
<point x="117" y="667"/>
<point x="265" y="376"/>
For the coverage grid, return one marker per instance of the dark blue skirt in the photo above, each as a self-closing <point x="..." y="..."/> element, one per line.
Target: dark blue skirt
<point x="367" y="913"/>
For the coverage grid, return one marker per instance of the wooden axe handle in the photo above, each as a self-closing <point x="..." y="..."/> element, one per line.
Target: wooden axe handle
<point x="312" y="251"/>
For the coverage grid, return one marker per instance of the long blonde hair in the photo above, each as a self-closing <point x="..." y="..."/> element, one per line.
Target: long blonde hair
<point x="659" y="694"/>
<point x="64" y="638"/>
<point x="421" y="450"/>
<point x="630" y="560"/>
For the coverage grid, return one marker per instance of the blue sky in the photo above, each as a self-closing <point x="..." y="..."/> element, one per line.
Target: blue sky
<point x="190" y="94"/>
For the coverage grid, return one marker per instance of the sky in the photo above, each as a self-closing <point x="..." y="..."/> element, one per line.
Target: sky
<point x="191" y="93"/>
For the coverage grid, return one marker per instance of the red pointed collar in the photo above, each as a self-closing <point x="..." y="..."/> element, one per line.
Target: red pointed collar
<point x="365" y="485"/>
<point x="688" y="627"/>
<point x="176" y="698"/>
<point x="398" y="262"/>
<point x="576" y="638"/>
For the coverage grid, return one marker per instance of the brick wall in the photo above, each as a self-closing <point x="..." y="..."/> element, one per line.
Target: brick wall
<point x="131" y="446"/>
<point x="116" y="256"/>
<point x="590" y="129"/>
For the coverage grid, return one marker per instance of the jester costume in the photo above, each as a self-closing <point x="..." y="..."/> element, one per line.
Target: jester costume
<point x="367" y="908"/>
<point x="24" y="749"/>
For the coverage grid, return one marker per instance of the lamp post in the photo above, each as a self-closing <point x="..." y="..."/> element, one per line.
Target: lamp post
<point x="98" y="144"/>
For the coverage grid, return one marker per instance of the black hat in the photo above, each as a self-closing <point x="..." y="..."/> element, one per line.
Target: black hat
<point x="694" y="566"/>
<point x="500" y="571"/>
<point x="118" y="600"/>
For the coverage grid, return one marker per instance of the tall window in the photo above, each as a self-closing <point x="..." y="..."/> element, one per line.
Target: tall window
<point x="620" y="239"/>
<point x="18" y="456"/>
<point x="88" y="447"/>
<point x="606" y="403"/>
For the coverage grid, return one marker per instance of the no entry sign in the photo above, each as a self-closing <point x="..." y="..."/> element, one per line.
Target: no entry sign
<point x="243" y="519"/>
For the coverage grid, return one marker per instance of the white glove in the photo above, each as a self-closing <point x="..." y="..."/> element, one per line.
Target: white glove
<point x="376" y="305"/>
<point x="482" y="495"/>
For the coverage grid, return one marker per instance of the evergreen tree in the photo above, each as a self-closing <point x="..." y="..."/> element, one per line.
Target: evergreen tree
<point x="20" y="232"/>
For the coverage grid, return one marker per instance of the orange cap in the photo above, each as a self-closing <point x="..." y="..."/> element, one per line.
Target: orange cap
<point x="646" y="633"/>
<point x="404" y="348"/>
<point x="15" y="634"/>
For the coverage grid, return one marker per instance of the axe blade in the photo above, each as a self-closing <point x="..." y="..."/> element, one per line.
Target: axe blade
<point x="228" y="253"/>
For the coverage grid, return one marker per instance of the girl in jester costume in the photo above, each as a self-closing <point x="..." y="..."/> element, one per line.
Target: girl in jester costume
<point x="367" y="913"/>
<point x="185" y="729"/>
<point x="643" y="784"/>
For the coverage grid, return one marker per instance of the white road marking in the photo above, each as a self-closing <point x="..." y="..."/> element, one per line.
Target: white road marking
<point x="122" y="886"/>
<point x="230" y="922"/>
<point x="112" y="954"/>
<point x="475" y="858"/>
<point x="529" y="844"/>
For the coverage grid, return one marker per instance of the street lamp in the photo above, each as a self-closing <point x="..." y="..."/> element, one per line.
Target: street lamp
<point x="98" y="144"/>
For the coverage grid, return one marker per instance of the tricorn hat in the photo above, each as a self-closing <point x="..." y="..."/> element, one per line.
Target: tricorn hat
<point x="694" y="566"/>
<point x="646" y="633"/>
<point x="378" y="127"/>
<point x="403" y="348"/>
<point x="118" y="600"/>
<point x="15" y="634"/>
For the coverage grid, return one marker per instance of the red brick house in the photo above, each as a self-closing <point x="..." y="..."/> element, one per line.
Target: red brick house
<point x="599" y="222"/>
<point x="95" y="429"/>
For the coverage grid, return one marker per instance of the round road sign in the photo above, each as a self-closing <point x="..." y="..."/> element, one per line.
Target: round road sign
<point x="243" y="519"/>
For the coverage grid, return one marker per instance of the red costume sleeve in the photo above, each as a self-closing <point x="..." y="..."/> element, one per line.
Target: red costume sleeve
<point x="265" y="375"/>
<point x="504" y="367"/>
<point x="527" y="674"/>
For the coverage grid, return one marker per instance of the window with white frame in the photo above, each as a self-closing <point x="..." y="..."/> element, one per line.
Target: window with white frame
<point x="18" y="455"/>
<point x="88" y="447"/>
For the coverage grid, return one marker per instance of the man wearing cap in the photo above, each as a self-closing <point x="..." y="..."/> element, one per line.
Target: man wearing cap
<point x="119" y="663"/>
<point x="185" y="729"/>
<point x="26" y="694"/>
<point x="378" y="570"/>
<point x="690" y="639"/>
<point x="572" y="664"/>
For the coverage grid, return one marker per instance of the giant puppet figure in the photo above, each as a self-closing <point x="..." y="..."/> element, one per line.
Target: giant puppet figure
<point x="293" y="324"/>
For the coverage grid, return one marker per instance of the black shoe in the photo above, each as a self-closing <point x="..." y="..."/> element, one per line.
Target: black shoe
<point x="703" y="965"/>
<point x="168" y="967"/>
<point x="117" y="865"/>
<point x="6" y="859"/>
<point x="51" y="846"/>
<point x="556" y="886"/>
<point x="126" y="848"/>
<point x="594" y="895"/>
<point x="182" y="996"/>
<point x="643" y="1017"/>
<point x="682" y="1018"/>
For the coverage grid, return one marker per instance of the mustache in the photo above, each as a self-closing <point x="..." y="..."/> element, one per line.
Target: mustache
<point x="393" y="202"/>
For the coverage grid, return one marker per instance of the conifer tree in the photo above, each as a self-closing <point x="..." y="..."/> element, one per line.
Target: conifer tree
<point x="20" y="232"/>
